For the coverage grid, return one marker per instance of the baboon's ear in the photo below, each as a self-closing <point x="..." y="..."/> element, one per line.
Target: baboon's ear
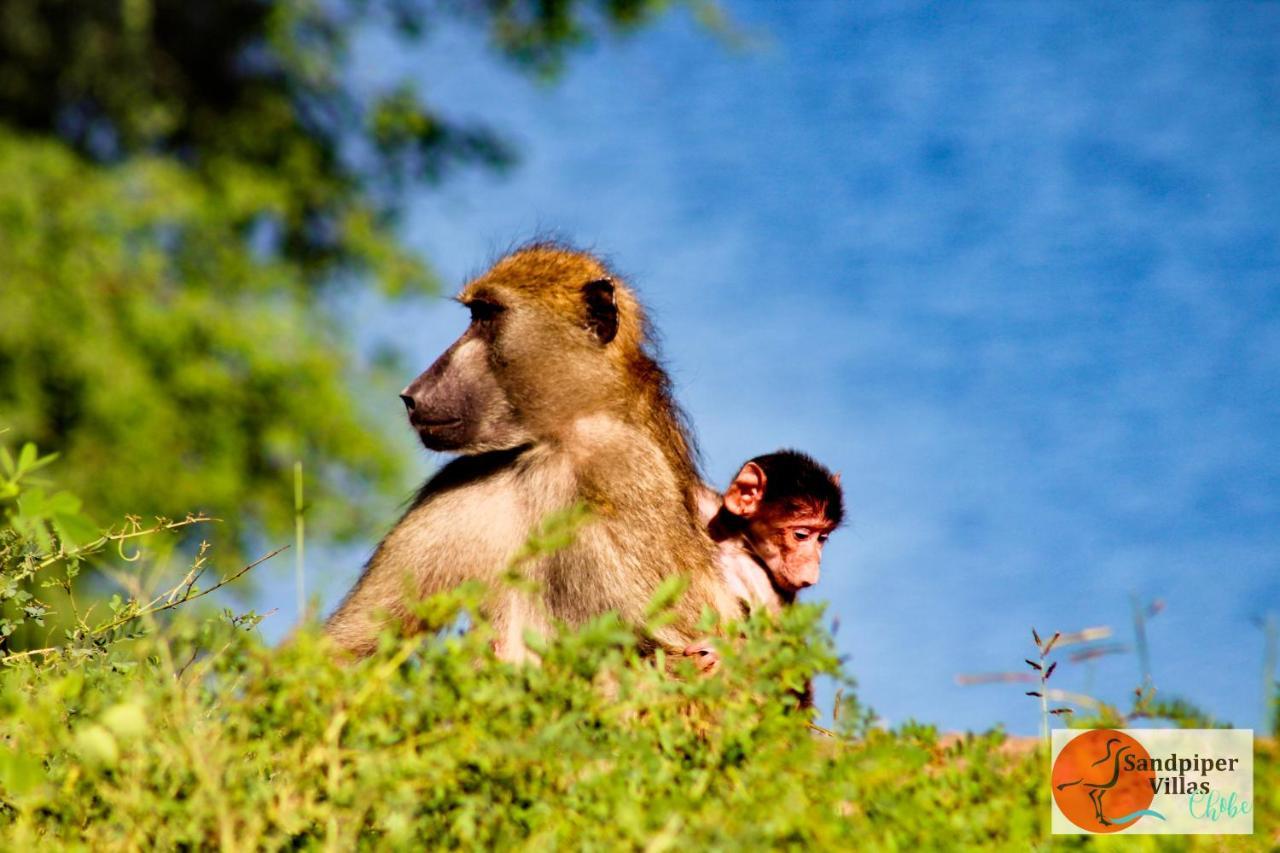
<point x="602" y="309"/>
<point x="746" y="492"/>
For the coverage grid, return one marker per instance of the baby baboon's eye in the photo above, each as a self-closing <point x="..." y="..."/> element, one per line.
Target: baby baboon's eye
<point x="801" y="533"/>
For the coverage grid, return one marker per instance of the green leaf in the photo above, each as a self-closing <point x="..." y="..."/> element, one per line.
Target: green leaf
<point x="61" y="503"/>
<point x="41" y="462"/>
<point x="535" y="641"/>
<point x="127" y="720"/>
<point x="75" y="529"/>
<point x="19" y="773"/>
<point x="26" y="458"/>
<point x="667" y="593"/>
<point x="97" y="746"/>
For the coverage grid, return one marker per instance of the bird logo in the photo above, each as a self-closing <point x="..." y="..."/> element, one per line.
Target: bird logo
<point x="1097" y="784"/>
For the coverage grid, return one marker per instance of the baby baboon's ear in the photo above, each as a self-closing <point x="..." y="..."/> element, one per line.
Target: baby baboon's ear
<point x="746" y="493"/>
<point x="602" y="309"/>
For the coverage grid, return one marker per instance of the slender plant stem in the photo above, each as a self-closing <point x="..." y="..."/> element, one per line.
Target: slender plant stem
<point x="1140" y="640"/>
<point x="1270" y="689"/>
<point x="1044" y="702"/>
<point x="299" y="535"/>
<point x="149" y="610"/>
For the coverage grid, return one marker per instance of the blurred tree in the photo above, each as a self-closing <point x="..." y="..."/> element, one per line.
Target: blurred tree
<point x="240" y="86"/>
<point x="182" y="182"/>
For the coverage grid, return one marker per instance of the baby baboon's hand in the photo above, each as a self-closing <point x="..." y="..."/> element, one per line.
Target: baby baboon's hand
<point x="704" y="655"/>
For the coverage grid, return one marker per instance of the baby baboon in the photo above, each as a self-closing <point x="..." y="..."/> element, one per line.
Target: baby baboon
<point x="769" y="529"/>
<point x="554" y="397"/>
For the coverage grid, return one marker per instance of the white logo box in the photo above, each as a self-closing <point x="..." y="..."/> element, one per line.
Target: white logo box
<point x="1185" y="763"/>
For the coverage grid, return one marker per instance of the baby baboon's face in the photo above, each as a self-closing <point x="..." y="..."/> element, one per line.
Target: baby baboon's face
<point x="789" y="540"/>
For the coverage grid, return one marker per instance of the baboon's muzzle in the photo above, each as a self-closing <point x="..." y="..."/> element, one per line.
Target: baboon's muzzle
<point x="439" y="406"/>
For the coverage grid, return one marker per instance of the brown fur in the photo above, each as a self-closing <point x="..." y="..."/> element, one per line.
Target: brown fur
<point x="562" y="418"/>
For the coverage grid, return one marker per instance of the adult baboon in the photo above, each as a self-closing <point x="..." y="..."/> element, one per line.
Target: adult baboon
<point x="553" y="396"/>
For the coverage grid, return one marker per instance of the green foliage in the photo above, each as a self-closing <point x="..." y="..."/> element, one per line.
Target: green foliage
<point x="33" y="521"/>
<point x="46" y="541"/>
<point x="170" y="365"/>
<point x="1175" y="709"/>
<point x="33" y="515"/>
<point x="251" y="87"/>
<point x="199" y="736"/>
<point x="1148" y="706"/>
<point x="183" y="183"/>
<point x="156" y="727"/>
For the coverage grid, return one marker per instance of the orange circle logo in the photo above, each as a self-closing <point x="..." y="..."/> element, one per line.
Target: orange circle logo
<point x="1097" y="785"/>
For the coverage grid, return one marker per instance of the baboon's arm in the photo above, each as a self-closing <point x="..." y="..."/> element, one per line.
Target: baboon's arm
<point x="468" y="534"/>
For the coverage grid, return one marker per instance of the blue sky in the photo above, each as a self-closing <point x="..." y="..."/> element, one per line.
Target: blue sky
<point x="1013" y="269"/>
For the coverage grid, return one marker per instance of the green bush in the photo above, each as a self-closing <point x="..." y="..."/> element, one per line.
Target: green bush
<point x="139" y="729"/>
<point x="200" y="736"/>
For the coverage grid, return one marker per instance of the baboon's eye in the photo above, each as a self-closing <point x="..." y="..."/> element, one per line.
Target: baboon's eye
<point x="483" y="312"/>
